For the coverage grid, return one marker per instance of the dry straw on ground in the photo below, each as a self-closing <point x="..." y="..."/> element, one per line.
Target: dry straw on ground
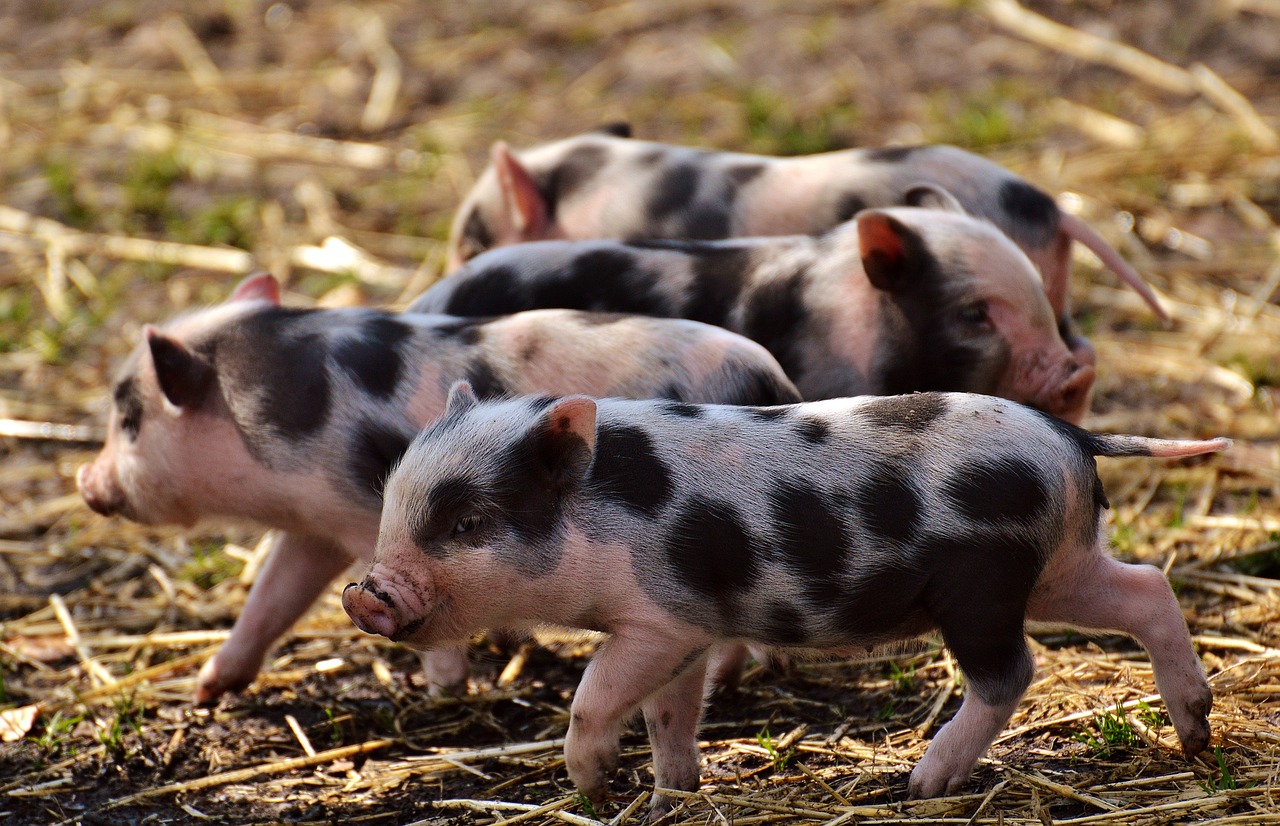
<point x="153" y="153"/>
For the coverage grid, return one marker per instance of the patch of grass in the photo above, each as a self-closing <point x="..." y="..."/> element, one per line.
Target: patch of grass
<point x="887" y="710"/>
<point x="57" y="733"/>
<point x="232" y="222"/>
<point x="587" y="806"/>
<point x="994" y="115"/>
<point x="1151" y="717"/>
<point x="60" y="175"/>
<point x="1109" y="732"/>
<point x="1225" y="780"/>
<point x="1180" y="493"/>
<point x="1265" y="562"/>
<point x="773" y="127"/>
<point x="780" y="759"/>
<point x="127" y="717"/>
<point x="1123" y="540"/>
<point x="904" y="681"/>
<point x="209" y="565"/>
<point x="147" y="182"/>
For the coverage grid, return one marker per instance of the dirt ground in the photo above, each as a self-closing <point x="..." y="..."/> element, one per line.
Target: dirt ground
<point x="330" y="142"/>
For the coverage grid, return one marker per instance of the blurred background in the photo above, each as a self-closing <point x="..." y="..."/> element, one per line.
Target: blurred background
<point x="152" y="152"/>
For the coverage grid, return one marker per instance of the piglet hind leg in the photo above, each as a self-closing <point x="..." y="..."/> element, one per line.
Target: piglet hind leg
<point x="980" y="613"/>
<point x="1101" y="593"/>
<point x="446" y="668"/>
<point x="671" y="716"/>
<point x="623" y="673"/>
<point x="297" y="571"/>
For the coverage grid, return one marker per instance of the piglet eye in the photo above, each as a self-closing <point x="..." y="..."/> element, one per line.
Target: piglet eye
<point x="467" y="524"/>
<point x="975" y="314"/>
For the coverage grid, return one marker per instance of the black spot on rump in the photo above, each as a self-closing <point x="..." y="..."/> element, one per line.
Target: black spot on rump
<point x="479" y="289"/>
<point x="775" y="316"/>
<point x="128" y="402"/>
<point x="813" y="431"/>
<point x="710" y="550"/>
<point x="782" y="623"/>
<point x="627" y="469"/>
<point x="719" y="274"/>
<point x="673" y="189"/>
<point x="914" y="412"/>
<point x="372" y="357"/>
<point x="1031" y="215"/>
<point x="998" y="488"/>
<point x="890" y="154"/>
<point x="287" y="393"/>
<point x="889" y="503"/>
<point x="374" y="450"/>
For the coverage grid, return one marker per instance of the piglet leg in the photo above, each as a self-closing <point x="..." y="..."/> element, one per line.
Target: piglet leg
<point x="625" y="671"/>
<point x="447" y="669"/>
<point x="1101" y="593"/>
<point x="958" y="746"/>
<point x="298" y="570"/>
<point x="671" y="715"/>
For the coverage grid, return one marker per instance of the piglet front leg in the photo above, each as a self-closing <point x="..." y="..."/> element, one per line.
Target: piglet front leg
<point x="298" y="570"/>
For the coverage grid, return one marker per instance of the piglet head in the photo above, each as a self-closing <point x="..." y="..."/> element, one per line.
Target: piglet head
<point x="506" y="206"/>
<point x="477" y="501"/>
<point x="974" y="308"/>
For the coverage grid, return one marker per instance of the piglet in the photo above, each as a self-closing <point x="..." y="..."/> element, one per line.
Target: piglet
<point x="829" y="525"/>
<point x="893" y="301"/>
<point x="605" y="185"/>
<point x="292" y="418"/>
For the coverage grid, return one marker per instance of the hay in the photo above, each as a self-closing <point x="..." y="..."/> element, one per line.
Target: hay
<point x="329" y="144"/>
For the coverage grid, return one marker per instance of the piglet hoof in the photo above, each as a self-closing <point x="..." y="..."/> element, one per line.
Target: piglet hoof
<point x="661" y="807"/>
<point x="928" y="780"/>
<point x="1196" y="738"/>
<point x="211" y="684"/>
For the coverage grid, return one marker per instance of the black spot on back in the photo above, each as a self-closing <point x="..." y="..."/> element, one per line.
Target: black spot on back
<point x="466" y="331"/>
<point x="759" y="387"/>
<point x="998" y="488"/>
<point x="575" y="170"/>
<point x="768" y="414"/>
<point x="813" y="541"/>
<point x="888" y="502"/>
<point x="374" y="449"/>
<point x="719" y="275"/>
<point x="848" y="206"/>
<point x="373" y="358"/>
<point x="706" y="221"/>
<point x="484" y="381"/>
<point x="813" y="431"/>
<point x="673" y="189"/>
<point x="914" y="412"/>
<point x="710" y="550"/>
<point x="479" y="289"/>
<point x="628" y="470"/>
<point x="782" y="624"/>
<point x="1032" y="215"/>
<point x="890" y="154"/>
<point x="682" y="409"/>
<point x="128" y="402"/>
<point x="775" y="316"/>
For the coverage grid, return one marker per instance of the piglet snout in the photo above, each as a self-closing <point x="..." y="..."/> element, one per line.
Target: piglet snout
<point x="96" y="493"/>
<point x="368" y="608"/>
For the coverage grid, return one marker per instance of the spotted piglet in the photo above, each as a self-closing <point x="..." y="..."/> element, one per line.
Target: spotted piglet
<point x="292" y="418"/>
<point x="605" y="185"/>
<point x="893" y="301"/>
<point x="827" y="525"/>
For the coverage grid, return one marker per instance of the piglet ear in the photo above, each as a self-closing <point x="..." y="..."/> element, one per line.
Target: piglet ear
<point x="261" y="286"/>
<point x="618" y="128"/>
<point x="184" y="377"/>
<point x="567" y="438"/>
<point x="932" y="196"/>
<point x="892" y="253"/>
<point x="526" y="211"/>
<point x="461" y="398"/>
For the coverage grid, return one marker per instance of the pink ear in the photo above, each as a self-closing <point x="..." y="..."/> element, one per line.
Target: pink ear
<point x="574" y="416"/>
<point x="568" y="440"/>
<point x="261" y="286"/>
<point x="883" y="246"/>
<point x="526" y="210"/>
<point x="461" y="397"/>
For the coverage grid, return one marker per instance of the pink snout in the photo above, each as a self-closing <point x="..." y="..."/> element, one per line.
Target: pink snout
<point x="1070" y="399"/>
<point x="370" y="608"/>
<point x="98" y="491"/>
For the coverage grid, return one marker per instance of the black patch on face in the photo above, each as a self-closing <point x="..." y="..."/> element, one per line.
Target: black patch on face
<point x="1030" y="210"/>
<point x="890" y="154"/>
<point x="375" y="449"/>
<point x="687" y="411"/>
<point x="128" y="403"/>
<point x="710" y="550"/>
<point x="914" y="413"/>
<point x="813" y="540"/>
<point x="889" y="503"/>
<point x="575" y="170"/>
<point x="775" y="316"/>
<point x="997" y="489"/>
<point x="433" y="523"/>
<point x="373" y="358"/>
<point x="848" y="206"/>
<point x="476" y="236"/>
<point x="673" y="189"/>
<point x="484" y="381"/>
<point x="290" y="389"/>
<point x="813" y="431"/>
<point x="783" y="624"/>
<point x="626" y="469"/>
<point x="718" y="277"/>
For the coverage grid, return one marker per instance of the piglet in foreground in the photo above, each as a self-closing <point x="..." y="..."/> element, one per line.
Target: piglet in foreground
<point x="894" y="301"/>
<point x="292" y="418"/>
<point x="829" y="525"/>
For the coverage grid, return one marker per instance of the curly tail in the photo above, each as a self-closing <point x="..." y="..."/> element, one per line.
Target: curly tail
<point x="1102" y="444"/>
